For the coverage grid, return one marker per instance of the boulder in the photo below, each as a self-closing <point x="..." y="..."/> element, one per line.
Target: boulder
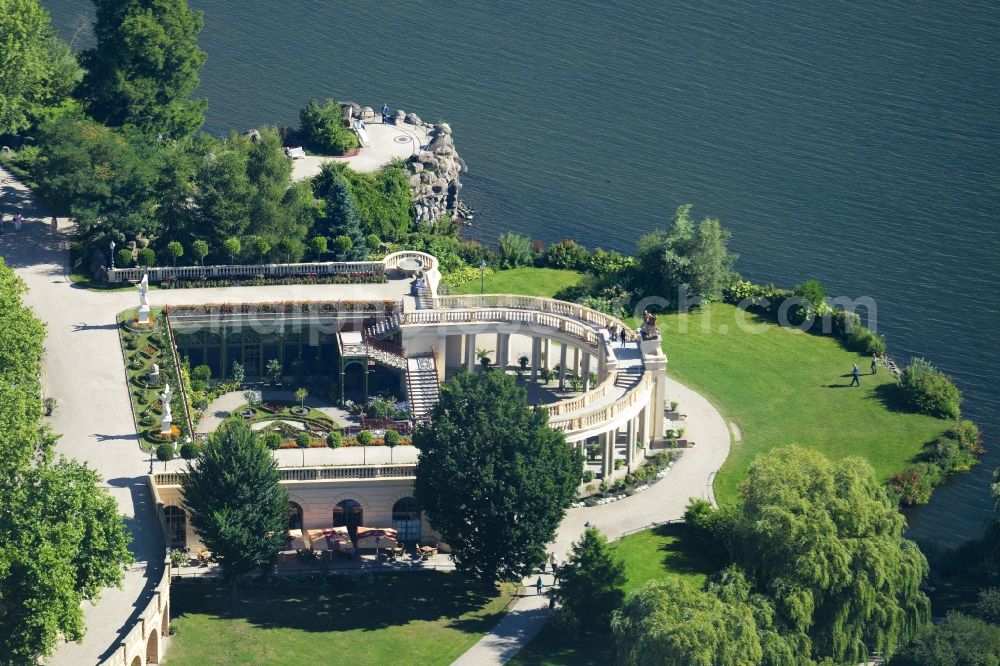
<point x="413" y="119"/>
<point x="400" y="116"/>
<point x="440" y="185"/>
<point x="415" y="167"/>
<point x="415" y="180"/>
<point x="253" y="135"/>
<point x="367" y="112"/>
<point x="444" y="151"/>
<point x="444" y="128"/>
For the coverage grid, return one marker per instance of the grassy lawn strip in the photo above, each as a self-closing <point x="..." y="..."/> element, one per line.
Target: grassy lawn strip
<point x="653" y="554"/>
<point x="426" y="618"/>
<point x="523" y="281"/>
<point x="781" y="386"/>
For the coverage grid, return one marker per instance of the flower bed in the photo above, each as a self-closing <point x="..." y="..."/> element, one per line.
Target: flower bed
<point x="290" y="307"/>
<point x="261" y="280"/>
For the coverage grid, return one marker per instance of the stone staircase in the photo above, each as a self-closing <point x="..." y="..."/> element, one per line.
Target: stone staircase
<point x="629" y="378"/>
<point x="424" y="299"/>
<point x="422" y="386"/>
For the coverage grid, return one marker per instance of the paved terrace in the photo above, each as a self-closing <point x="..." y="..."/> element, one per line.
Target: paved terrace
<point x="385" y="144"/>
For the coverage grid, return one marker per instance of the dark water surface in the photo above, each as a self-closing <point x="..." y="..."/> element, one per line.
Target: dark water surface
<point x="856" y="143"/>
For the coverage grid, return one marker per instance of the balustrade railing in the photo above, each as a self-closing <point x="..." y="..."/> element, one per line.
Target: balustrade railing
<point x="605" y="414"/>
<point x="317" y="473"/>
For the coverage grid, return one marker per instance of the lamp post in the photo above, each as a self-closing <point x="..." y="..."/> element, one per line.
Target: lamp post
<point x="112" y="246"/>
<point x="482" y="276"/>
<point x="150" y="460"/>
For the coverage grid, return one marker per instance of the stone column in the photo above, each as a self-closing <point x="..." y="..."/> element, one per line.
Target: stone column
<point x="548" y="355"/>
<point x="630" y="442"/>
<point x="470" y="351"/>
<point x="503" y="350"/>
<point x="562" y="367"/>
<point x="576" y="361"/>
<point x="608" y="454"/>
<point x="586" y="372"/>
<point x="536" y="354"/>
<point x="643" y="427"/>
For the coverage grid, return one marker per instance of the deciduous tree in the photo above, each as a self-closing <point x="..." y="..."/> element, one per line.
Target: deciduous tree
<point x="685" y="257"/>
<point x="494" y="478"/>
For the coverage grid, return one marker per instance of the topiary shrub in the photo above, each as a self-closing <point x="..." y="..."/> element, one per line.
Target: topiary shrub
<point x="365" y="438"/>
<point x="147" y="257"/>
<point x="189" y="451"/>
<point x="392" y="438"/>
<point x="165" y="452"/>
<point x="201" y="373"/>
<point x="335" y="440"/>
<point x="272" y="440"/>
<point x="929" y="390"/>
<point x="302" y="440"/>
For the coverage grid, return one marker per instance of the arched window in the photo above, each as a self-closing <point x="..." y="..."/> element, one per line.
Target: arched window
<point x="348" y="514"/>
<point x="176" y="526"/>
<point x="294" y="516"/>
<point x="406" y="519"/>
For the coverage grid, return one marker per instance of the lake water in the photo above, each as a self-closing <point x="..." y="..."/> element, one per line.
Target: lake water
<point x="855" y="143"/>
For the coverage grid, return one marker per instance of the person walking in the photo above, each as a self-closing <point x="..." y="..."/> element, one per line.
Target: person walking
<point x="624" y="337"/>
<point x="385" y="113"/>
<point x="874" y="363"/>
<point x="538" y="586"/>
<point x="17" y="221"/>
<point x="614" y="334"/>
<point x="55" y="225"/>
<point x="857" y="376"/>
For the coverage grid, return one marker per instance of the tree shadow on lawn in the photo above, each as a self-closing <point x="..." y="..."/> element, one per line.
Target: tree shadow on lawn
<point x="892" y="398"/>
<point x="391" y="600"/>
<point x="685" y="554"/>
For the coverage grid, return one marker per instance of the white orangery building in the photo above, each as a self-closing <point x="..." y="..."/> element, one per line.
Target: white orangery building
<point x="404" y="334"/>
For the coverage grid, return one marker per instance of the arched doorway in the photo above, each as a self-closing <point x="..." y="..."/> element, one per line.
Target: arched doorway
<point x="137" y="661"/>
<point x="294" y="516"/>
<point x="406" y="520"/>
<point x="348" y="514"/>
<point x="176" y="526"/>
<point x="153" y="648"/>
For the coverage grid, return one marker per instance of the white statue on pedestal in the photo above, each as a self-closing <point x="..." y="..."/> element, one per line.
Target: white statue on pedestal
<point x="143" y="302"/>
<point x="166" y="421"/>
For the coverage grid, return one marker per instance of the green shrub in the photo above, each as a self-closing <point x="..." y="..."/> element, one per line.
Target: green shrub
<point x="323" y="129"/>
<point x="915" y="485"/>
<point x="968" y="436"/>
<point x="302" y="440"/>
<point x="929" y="390"/>
<point x="189" y="450"/>
<point x="988" y="607"/>
<point x="392" y="438"/>
<point x="201" y="373"/>
<point x="272" y="440"/>
<point x="567" y="254"/>
<point x="588" y="476"/>
<point x="123" y="258"/>
<point x="198" y="386"/>
<point x="335" y="440"/>
<point x="515" y="250"/>
<point x="948" y="454"/>
<point x="132" y="343"/>
<point x="365" y="438"/>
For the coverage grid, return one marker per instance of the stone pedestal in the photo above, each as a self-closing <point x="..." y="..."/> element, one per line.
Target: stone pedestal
<point x="165" y="425"/>
<point x="143" y="314"/>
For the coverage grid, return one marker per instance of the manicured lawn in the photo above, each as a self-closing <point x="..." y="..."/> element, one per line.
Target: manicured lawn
<point x="525" y="281"/>
<point x="425" y="618"/>
<point x="654" y="554"/>
<point x="781" y="386"/>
